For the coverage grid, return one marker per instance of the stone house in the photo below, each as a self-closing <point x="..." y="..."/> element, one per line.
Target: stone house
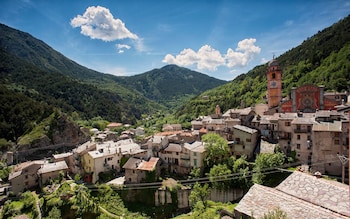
<point x="197" y="154"/>
<point x="107" y="157"/>
<point x="25" y="176"/>
<point x="327" y="144"/>
<point x="50" y="171"/>
<point x="301" y="138"/>
<point x="245" y="141"/>
<point x="171" y="127"/>
<point x="157" y="143"/>
<point x="98" y="161"/>
<point x="76" y="166"/>
<point x="67" y="157"/>
<point x="283" y="130"/>
<point x="171" y="156"/>
<point x="136" y="170"/>
<point x="245" y="115"/>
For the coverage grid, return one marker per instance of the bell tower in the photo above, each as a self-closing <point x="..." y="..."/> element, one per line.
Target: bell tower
<point x="274" y="84"/>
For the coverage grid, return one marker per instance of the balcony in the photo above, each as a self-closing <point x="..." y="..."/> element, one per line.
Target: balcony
<point x="301" y="130"/>
<point x="185" y="157"/>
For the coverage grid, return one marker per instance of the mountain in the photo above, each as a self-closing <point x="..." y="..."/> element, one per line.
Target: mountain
<point x="169" y="84"/>
<point x="37" y="74"/>
<point x="322" y="59"/>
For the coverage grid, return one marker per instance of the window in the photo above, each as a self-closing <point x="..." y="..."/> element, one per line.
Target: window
<point x="298" y="127"/>
<point x="287" y="123"/>
<point x="177" y="153"/>
<point x="194" y="153"/>
<point x="336" y="134"/>
<point x="298" y="146"/>
<point x="298" y="137"/>
<point x="248" y="140"/>
<point x="243" y="146"/>
<point x="336" y="141"/>
<point x="195" y="162"/>
<point x="273" y="75"/>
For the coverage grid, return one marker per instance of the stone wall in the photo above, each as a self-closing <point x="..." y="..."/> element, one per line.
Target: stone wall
<point x="163" y="197"/>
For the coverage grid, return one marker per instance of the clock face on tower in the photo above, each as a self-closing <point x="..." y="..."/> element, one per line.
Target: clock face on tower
<point x="273" y="84"/>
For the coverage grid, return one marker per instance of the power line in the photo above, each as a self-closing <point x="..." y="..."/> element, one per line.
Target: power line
<point x="208" y="179"/>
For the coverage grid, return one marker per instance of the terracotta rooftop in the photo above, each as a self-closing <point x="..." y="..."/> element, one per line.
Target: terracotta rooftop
<point x="149" y="165"/>
<point x="138" y="164"/>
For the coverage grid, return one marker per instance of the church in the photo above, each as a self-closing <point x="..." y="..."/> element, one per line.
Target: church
<point x="307" y="98"/>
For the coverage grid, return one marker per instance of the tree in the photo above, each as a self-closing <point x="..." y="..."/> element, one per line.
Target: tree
<point x="241" y="167"/>
<point x="216" y="149"/>
<point x="218" y="176"/>
<point x="195" y="173"/>
<point x="54" y="213"/>
<point x="264" y="162"/>
<point x="199" y="196"/>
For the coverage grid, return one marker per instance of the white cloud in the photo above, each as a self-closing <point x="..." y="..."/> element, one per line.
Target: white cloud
<point x="121" y="47"/>
<point x="244" y="53"/>
<point x="209" y="58"/>
<point x="98" y="23"/>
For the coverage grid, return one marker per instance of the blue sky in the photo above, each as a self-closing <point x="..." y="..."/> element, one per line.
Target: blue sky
<point x="219" y="38"/>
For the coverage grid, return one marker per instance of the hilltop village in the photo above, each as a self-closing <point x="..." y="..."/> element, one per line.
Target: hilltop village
<point x="311" y="123"/>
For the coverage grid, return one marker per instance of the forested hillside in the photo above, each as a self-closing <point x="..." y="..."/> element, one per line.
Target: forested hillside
<point x="170" y="84"/>
<point x="35" y="80"/>
<point x="41" y="91"/>
<point x="322" y="59"/>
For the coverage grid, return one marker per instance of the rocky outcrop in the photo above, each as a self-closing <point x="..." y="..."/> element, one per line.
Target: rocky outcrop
<point x="61" y="135"/>
<point x="67" y="132"/>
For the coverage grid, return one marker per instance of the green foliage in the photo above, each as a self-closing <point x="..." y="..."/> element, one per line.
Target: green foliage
<point x="216" y="148"/>
<point x="264" y="162"/>
<point x="218" y="176"/>
<point x="77" y="177"/>
<point x="195" y="173"/>
<point x="12" y="209"/>
<point x="211" y="211"/>
<point x="54" y="213"/>
<point x="26" y="205"/>
<point x="198" y="197"/>
<point x="322" y="59"/>
<point x="171" y="85"/>
<point x="4" y="171"/>
<point x="240" y="166"/>
<point x="275" y="214"/>
<point x="151" y="176"/>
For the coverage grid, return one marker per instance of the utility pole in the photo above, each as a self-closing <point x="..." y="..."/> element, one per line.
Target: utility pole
<point x="343" y="161"/>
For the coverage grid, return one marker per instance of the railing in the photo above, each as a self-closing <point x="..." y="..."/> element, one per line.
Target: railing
<point x="302" y="130"/>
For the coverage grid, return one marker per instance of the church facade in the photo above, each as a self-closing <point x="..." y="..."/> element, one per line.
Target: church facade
<point x="307" y="98"/>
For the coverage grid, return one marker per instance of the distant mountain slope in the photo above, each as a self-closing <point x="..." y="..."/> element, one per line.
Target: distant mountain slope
<point x="47" y="90"/>
<point x="170" y="83"/>
<point x="36" y="52"/>
<point x="322" y="59"/>
<point x="32" y="71"/>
